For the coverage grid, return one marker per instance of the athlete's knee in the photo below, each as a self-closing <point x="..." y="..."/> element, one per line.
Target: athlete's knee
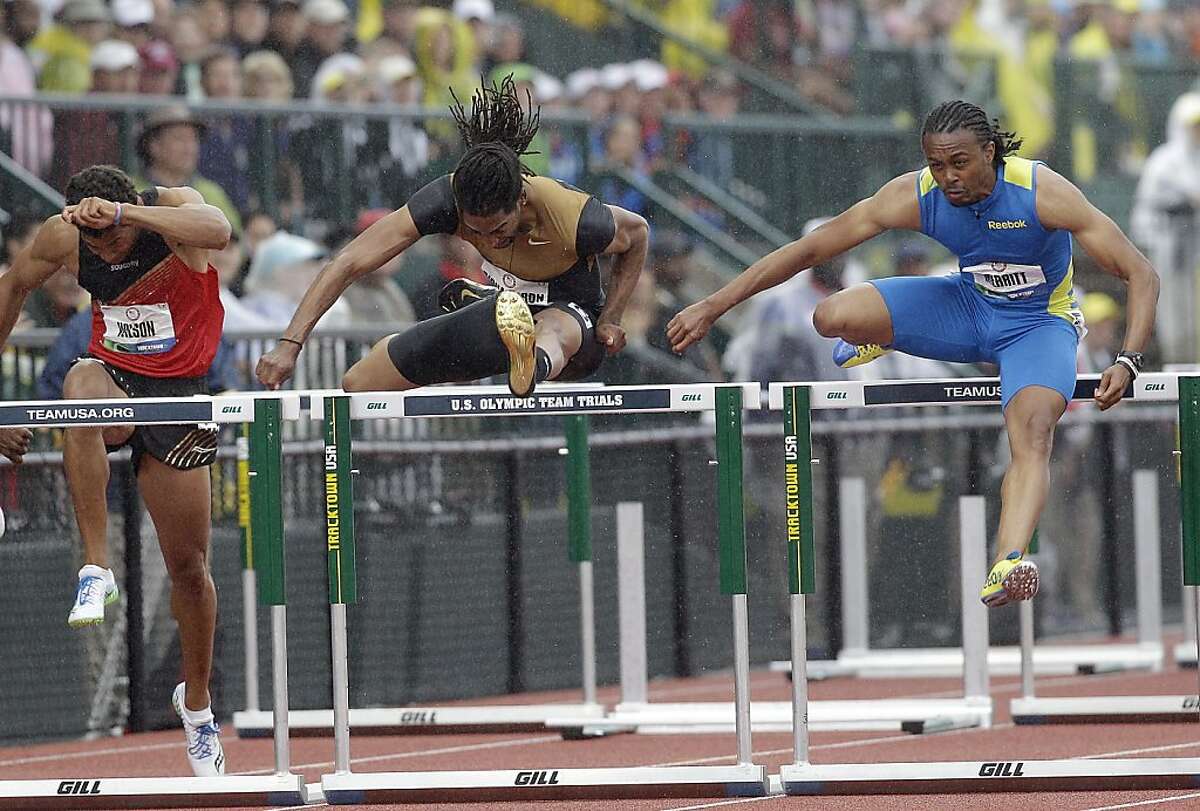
<point x="1036" y="435"/>
<point x="188" y="571"/>
<point x="356" y="378"/>
<point x="829" y="319"/>
<point x="87" y="380"/>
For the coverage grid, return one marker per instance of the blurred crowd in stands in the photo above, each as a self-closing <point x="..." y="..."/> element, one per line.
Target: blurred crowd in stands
<point x="423" y="53"/>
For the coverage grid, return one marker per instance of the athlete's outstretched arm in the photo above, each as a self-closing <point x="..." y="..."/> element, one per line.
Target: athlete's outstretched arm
<point x="1061" y="205"/>
<point x="893" y="206"/>
<point x="181" y="217"/>
<point x="367" y="252"/>
<point x="629" y="244"/>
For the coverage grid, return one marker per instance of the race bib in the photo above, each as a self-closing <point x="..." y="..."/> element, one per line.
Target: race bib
<point x="534" y="293"/>
<point x="139" y="329"/>
<point x="1004" y="280"/>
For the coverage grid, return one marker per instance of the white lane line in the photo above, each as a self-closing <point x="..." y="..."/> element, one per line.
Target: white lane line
<point x="446" y="750"/>
<point x="1144" y="803"/>
<point x="88" y="753"/>
<point x="901" y="736"/>
<point x="1163" y="748"/>
<point x="722" y="802"/>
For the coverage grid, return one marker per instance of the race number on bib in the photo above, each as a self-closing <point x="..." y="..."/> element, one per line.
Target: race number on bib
<point x="140" y="329"/>
<point x="534" y="293"/>
<point x="1004" y="280"/>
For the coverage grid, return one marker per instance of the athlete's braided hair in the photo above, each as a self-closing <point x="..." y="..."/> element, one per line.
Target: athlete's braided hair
<point x="497" y="132"/>
<point x="106" y="182"/>
<point x="963" y="115"/>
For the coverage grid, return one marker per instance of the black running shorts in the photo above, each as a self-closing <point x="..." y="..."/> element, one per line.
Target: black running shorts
<point x="184" y="446"/>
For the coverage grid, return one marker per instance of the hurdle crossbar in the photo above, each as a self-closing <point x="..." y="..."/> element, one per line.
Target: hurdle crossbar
<point x="742" y="779"/>
<point x="265" y="411"/>
<point x="802" y="777"/>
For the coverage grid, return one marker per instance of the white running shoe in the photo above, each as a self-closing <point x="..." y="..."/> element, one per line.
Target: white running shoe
<point x="97" y="588"/>
<point x="203" y="740"/>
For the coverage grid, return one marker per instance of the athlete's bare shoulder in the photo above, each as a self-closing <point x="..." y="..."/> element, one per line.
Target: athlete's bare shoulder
<point x="57" y="241"/>
<point x="896" y="204"/>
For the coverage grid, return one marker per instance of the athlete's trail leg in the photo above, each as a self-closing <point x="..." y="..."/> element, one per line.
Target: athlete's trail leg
<point x="1029" y="419"/>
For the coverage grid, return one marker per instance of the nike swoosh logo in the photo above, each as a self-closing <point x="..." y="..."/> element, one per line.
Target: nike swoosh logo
<point x="532" y="242"/>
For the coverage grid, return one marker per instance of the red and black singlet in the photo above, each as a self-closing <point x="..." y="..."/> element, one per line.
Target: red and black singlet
<point x="151" y="313"/>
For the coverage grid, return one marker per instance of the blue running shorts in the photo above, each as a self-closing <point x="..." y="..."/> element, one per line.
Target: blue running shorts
<point x="944" y="318"/>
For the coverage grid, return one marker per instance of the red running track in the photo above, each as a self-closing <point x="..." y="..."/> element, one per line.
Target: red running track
<point x="161" y="753"/>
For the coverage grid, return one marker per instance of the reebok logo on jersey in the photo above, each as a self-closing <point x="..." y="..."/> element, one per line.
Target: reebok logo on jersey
<point x="1005" y="225"/>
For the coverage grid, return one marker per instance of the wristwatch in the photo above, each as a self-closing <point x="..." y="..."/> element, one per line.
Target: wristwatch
<point x="1132" y="361"/>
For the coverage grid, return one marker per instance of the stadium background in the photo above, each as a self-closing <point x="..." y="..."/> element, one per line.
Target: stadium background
<point x="730" y="126"/>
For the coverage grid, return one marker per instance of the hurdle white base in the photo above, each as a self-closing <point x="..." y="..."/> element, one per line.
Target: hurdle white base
<point x="154" y="792"/>
<point x="1106" y="710"/>
<point x="1185" y="654"/>
<point x="1005" y="776"/>
<point x="1048" y="660"/>
<point x="776" y="716"/>
<point x="818" y="669"/>
<point x="649" y="782"/>
<point x="427" y="720"/>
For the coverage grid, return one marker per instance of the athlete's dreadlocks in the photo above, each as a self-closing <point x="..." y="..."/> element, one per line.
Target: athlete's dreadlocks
<point x="962" y="115"/>
<point x="497" y="132"/>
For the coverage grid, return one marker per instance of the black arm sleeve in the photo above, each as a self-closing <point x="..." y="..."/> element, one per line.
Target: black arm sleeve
<point x="432" y="208"/>
<point x="596" y="228"/>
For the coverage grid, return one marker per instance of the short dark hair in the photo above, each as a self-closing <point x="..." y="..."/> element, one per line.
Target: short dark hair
<point x="106" y="182"/>
<point x="963" y="115"/>
<point x="497" y="133"/>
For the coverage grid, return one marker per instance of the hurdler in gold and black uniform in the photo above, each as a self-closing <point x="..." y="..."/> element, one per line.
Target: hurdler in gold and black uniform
<point x="546" y="314"/>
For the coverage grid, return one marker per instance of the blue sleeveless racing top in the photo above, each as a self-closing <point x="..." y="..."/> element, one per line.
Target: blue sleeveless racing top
<point x="1003" y="251"/>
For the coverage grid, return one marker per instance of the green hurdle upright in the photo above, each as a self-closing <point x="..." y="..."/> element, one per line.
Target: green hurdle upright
<point x="339" y="546"/>
<point x="579" y="531"/>
<point x="797" y="476"/>
<point x="731" y="546"/>
<point x="266" y="530"/>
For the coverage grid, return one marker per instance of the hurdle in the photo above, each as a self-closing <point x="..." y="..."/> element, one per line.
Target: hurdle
<point x="542" y="782"/>
<point x="858" y="658"/>
<point x="636" y="714"/>
<point x="278" y="788"/>
<point x="429" y="719"/>
<point x="805" y="778"/>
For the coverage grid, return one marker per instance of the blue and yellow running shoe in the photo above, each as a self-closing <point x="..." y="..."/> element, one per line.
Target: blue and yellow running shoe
<point x="847" y="355"/>
<point x="1010" y="580"/>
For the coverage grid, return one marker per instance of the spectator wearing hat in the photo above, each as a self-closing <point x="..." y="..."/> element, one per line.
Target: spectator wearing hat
<point x="63" y="52"/>
<point x="326" y="35"/>
<point x="160" y="68"/>
<point x="444" y="50"/>
<point x="285" y="29"/>
<point x="400" y="146"/>
<point x="133" y="20"/>
<point x="251" y="19"/>
<point x="267" y="77"/>
<point x="227" y="140"/>
<point x="586" y="91"/>
<point x="169" y="148"/>
<point x="86" y="138"/>
<point x="26" y="128"/>
<point x="478" y="16"/>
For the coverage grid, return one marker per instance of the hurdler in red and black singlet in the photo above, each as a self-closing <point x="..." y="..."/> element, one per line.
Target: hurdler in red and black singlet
<point x="156" y="325"/>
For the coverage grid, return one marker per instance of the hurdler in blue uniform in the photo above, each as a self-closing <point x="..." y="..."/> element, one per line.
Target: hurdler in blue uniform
<point x="1010" y="222"/>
